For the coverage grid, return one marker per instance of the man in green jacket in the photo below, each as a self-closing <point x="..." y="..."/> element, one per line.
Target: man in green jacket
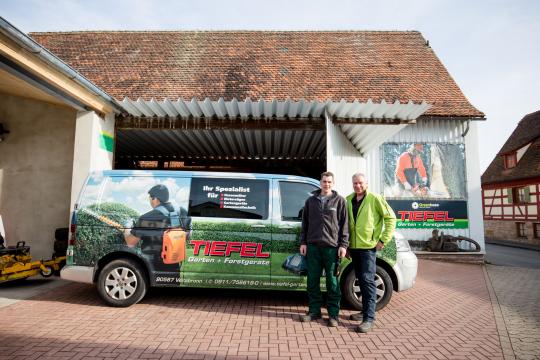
<point x="371" y="225"/>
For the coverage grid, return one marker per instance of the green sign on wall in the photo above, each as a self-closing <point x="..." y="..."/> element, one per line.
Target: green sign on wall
<point x="106" y="141"/>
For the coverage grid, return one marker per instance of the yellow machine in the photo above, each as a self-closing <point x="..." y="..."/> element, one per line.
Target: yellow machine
<point x="16" y="263"/>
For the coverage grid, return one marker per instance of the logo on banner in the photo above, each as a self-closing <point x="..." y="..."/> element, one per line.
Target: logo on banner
<point x="430" y="214"/>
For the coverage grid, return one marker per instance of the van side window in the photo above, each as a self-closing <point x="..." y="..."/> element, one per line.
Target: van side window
<point x="124" y="201"/>
<point x="93" y="191"/>
<point x="229" y="198"/>
<point x="293" y="196"/>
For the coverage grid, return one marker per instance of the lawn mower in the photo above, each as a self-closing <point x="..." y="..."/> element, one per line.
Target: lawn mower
<point x="16" y="263"/>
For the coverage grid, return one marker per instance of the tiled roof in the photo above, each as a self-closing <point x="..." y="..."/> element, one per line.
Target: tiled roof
<point x="527" y="132"/>
<point x="322" y="65"/>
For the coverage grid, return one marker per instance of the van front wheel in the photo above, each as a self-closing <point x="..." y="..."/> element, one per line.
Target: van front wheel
<point x="383" y="283"/>
<point x="121" y="283"/>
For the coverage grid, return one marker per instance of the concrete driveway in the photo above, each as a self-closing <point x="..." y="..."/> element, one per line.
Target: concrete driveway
<point x="451" y="313"/>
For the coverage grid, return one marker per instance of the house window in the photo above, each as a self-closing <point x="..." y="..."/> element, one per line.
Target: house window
<point x="520" y="195"/>
<point x="510" y="161"/>
<point x="520" y="227"/>
<point x="536" y="230"/>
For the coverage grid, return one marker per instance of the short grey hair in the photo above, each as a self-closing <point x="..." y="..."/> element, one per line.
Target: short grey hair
<point x="357" y="175"/>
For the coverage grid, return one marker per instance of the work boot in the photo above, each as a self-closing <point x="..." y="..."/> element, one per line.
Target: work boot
<point x="357" y="317"/>
<point x="333" y="321"/>
<point x="364" y="327"/>
<point x="309" y="317"/>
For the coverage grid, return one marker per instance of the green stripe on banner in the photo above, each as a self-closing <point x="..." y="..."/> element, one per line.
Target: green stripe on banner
<point x="456" y="224"/>
<point x="106" y="141"/>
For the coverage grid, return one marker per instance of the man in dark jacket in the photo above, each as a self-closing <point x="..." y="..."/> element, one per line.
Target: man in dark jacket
<point x="150" y="227"/>
<point x="324" y="239"/>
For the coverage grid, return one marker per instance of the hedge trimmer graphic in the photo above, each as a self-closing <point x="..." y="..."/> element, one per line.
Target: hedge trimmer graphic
<point x="104" y="219"/>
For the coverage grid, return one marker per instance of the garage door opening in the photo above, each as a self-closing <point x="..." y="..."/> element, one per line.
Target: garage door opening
<point x="275" y="151"/>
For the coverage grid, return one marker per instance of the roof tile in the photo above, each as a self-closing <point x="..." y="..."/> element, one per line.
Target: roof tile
<point x="377" y="65"/>
<point x="527" y="132"/>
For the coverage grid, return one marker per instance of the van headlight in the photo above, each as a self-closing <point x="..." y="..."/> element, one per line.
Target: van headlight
<point x="401" y="243"/>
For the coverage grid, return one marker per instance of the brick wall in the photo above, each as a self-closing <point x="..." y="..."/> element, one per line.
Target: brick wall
<point x="506" y="230"/>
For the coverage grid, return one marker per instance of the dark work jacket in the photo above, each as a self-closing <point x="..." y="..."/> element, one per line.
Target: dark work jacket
<point x="325" y="225"/>
<point x="150" y="228"/>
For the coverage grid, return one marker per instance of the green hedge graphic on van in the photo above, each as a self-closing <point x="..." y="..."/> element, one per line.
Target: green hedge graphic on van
<point x="97" y="235"/>
<point x="213" y="247"/>
<point x="388" y="253"/>
<point x="237" y="251"/>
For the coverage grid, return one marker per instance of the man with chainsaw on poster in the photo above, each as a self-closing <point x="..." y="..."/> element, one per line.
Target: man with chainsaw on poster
<point x="410" y="171"/>
<point x="151" y="226"/>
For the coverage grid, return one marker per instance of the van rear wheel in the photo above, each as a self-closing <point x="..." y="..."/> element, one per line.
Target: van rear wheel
<point x="383" y="283"/>
<point x="122" y="283"/>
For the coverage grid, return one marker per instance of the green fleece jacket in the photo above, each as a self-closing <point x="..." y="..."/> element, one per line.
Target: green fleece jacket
<point x="366" y="229"/>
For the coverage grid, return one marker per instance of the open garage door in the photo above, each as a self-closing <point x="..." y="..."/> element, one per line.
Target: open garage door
<point x="287" y="137"/>
<point x="295" y="150"/>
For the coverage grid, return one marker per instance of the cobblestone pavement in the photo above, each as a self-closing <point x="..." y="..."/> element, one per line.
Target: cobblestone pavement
<point x="13" y="291"/>
<point x="518" y="294"/>
<point x="447" y="315"/>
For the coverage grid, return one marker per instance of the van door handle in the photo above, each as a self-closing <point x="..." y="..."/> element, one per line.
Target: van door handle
<point x="258" y="226"/>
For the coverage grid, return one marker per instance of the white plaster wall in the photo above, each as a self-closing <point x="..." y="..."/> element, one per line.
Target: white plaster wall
<point x="342" y="159"/>
<point x="474" y="189"/>
<point x="522" y="152"/>
<point x="35" y="171"/>
<point x="450" y="131"/>
<point x="88" y="155"/>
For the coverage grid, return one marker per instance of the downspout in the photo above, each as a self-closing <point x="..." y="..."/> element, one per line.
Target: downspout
<point x="467" y="128"/>
<point x="29" y="44"/>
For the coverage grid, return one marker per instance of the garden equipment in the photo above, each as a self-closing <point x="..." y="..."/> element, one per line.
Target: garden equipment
<point x="16" y="263"/>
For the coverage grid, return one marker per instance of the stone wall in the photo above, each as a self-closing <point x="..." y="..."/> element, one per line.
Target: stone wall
<point x="506" y="230"/>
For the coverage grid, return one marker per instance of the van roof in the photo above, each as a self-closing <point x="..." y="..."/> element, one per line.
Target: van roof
<point x="174" y="173"/>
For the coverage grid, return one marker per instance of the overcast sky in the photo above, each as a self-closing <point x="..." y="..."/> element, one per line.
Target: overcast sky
<point x="491" y="48"/>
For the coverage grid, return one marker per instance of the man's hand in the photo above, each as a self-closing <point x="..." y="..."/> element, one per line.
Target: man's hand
<point x="341" y="252"/>
<point x="131" y="240"/>
<point x="407" y="186"/>
<point x="303" y="249"/>
<point x="379" y="246"/>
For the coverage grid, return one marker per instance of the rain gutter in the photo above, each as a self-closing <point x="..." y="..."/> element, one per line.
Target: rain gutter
<point x="33" y="47"/>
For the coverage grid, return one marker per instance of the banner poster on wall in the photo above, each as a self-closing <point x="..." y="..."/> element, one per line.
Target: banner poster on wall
<point x="422" y="214"/>
<point x="423" y="171"/>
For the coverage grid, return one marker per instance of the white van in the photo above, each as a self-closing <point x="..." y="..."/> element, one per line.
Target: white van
<point x="134" y="229"/>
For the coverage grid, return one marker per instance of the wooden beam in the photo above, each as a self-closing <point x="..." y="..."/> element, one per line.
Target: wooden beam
<point x="179" y="123"/>
<point x="53" y="76"/>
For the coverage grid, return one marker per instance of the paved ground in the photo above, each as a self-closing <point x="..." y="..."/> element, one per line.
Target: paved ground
<point x="512" y="256"/>
<point x="518" y="294"/>
<point x="449" y="314"/>
<point x="13" y="291"/>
